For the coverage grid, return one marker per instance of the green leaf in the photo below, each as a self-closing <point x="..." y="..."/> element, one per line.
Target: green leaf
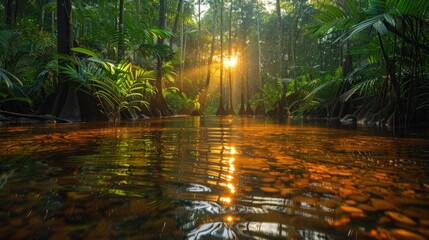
<point x="352" y="8"/>
<point x="85" y="51"/>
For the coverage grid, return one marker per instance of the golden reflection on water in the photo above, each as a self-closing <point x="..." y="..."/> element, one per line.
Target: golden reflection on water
<point x="196" y="178"/>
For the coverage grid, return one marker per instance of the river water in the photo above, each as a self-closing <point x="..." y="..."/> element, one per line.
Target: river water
<point x="211" y="178"/>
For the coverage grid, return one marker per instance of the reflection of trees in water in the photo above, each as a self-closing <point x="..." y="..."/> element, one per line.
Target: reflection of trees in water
<point x="220" y="217"/>
<point x="218" y="230"/>
<point x="221" y="209"/>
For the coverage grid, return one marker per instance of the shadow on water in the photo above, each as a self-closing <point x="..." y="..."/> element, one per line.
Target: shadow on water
<point x="211" y="178"/>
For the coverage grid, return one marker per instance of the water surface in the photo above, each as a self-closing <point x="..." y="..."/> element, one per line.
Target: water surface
<point x="210" y="178"/>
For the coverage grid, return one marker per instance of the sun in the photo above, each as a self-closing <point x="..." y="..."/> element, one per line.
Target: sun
<point x="231" y="62"/>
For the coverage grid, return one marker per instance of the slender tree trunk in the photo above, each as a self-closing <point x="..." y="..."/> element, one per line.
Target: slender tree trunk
<point x="294" y="38"/>
<point x="121" y="44"/>
<point x="221" y="108"/>
<point x="42" y="16"/>
<point x="260" y="109"/>
<point x="242" y="110"/>
<point x="8" y="13"/>
<point x="231" y="106"/>
<point x="180" y="56"/>
<point x="185" y="43"/>
<point x="15" y="11"/>
<point x="137" y="3"/>
<point x="66" y="103"/>
<point x="280" y="38"/>
<point x="159" y="106"/>
<point x="203" y="96"/>
<point x="176" y="21"/>
<point x="199" y="43"/>
<point x="249" y="110"/>
<point x="53" y="22"/>
<point x="64" y="23"/>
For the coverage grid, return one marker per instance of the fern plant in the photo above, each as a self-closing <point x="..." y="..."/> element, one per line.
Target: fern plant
<point x="120" y="88"/>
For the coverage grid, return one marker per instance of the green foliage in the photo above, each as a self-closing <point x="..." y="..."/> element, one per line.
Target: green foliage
<point x="10" y="85"/>
<point x="314" y="91"/>
<point x="390" y="37"/>
<point x="10" y="88"/>
<point x="269" y="94"/>
<point x="178" y="101"/>
<point x="119" y="88"/>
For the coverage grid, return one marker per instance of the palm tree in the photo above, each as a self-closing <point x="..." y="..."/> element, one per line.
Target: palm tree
<point x="393" y="27"/>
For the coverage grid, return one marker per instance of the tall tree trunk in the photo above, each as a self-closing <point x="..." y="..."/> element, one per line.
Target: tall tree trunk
<point x="221" y="108"/>
<point x="64" y="23"/>
<point x="53" y="22"/>
<point x="121" y="44"/>
<point x="280" y="38"/>
<point x="137" y="3"/>
<point x="203" y="96"/>
<point x="231" y="106"/>
<point x="66" y="104"/>
<point x="243" y="66"/>
<point x="185" y="43"/>
<point x="293" y="42"/>
<point x="242" y="110"/>
<point x="249" y="110"/>
<point x="176" y="21"/>
<point x="159" y="106"/>
<point x="260" y="109"/>
<point x="199" y="43"/>
<point x="8" y="13"/>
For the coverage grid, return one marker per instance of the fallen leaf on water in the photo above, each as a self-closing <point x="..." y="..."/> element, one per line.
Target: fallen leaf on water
<point x="345" y="192"/>
<point x="269" y="189"/>
<point x="382" y="204"/>
<point x="358" y="198"/>
<point x="286" y="179"/>
<point x="286" y="191"/>
<point x="268" y="180"/>
<point x="405" y="234"/>
<point x="349" y="209"/>
<point x="358" y="215"/>
<point x="401" y="218"/>
<point x="351" y="202"/>
<point x="384" y="220"/>
<point x="274" y="173"/>
<point x="341" y="222"/>
<point x="366" y="207"/>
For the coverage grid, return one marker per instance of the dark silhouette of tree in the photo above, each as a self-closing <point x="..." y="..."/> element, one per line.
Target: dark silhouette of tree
<point x="221" y="109"/>
<point x="230" y="110"/>
<point x="203" y="95"/>
<point x="159" y="106"/>
<point x="121" y="43"/>
<point x="8" y="13"/>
